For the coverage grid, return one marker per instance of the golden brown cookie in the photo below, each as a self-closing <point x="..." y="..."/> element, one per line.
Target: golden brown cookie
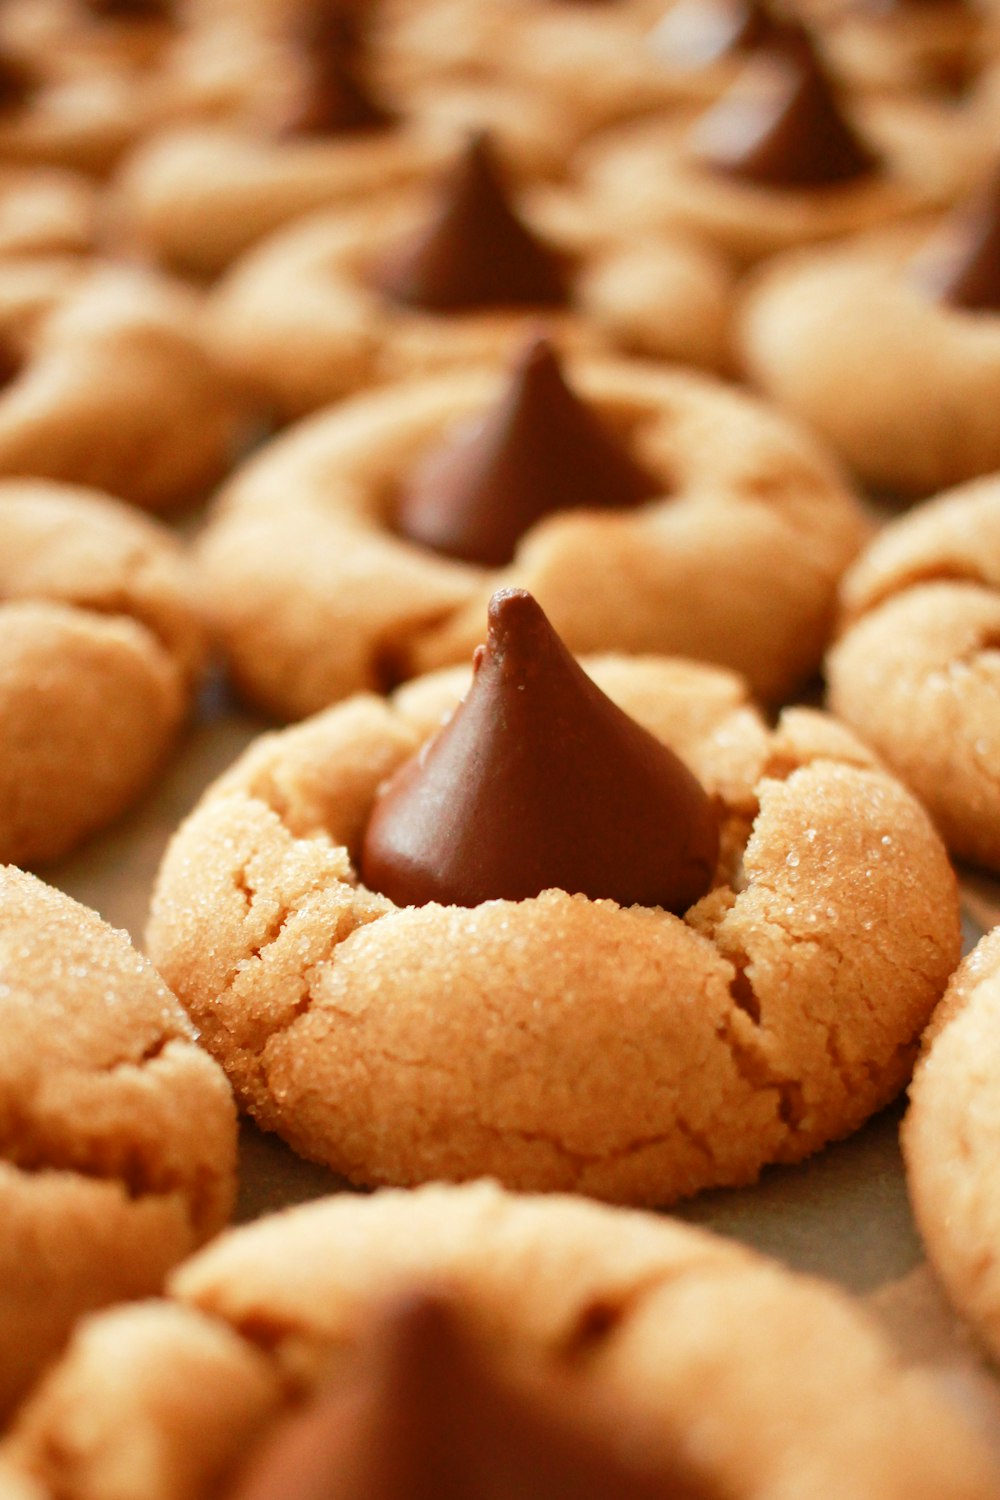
<point x="649" y="175"/>
<point x="317" y="609"/>
<point x="101" y="644"/>
<point x="302" y="321"/>
<point x="399" y="1045"/>
<point x="106" y="381"/>
<point x="916" y="669"/>
<point x="687" y="1337"/>
<point x="857" y="341"/>
<point x="197" y="196"/>
<point x="948" y="1138"/>
<point x="118" y="1153"/>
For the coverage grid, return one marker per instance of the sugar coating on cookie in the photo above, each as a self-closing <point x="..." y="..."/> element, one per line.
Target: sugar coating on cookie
<point x="560" y="1042"/>
<point x="101" y="646"/>
<point x="118" y="1154"/>
<point x="685" y="1336"/>
<point x="916" y="670"/>
<point x="339" y="601"/>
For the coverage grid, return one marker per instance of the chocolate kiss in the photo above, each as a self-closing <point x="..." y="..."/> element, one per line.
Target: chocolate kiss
<point x="430" y="1418"/>
<point x="539" y="781"/>
<point x="17" y="81"/>
<point x="539" y="450"/>
<point x="695" y="33"/>
<point x="475" y="252"/>
<point x="972" y="278"/>
<point x="334" y="100"/>
<point x="780" y="124"/>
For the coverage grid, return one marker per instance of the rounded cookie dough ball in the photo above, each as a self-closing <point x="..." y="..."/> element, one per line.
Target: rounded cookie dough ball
<point x="916" y="670"/>
<point x="106" y="380"/>
<point x="749" y="510"/>
<point x="118" y="1135"/>
<point x="561" y="1042"/>
<point x="682" y="1337"/>
<point x="101" y="644"/>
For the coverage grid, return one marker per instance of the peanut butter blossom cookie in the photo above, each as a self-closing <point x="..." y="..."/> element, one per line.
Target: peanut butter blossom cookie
<point x="948" y="1140"/>
<point x="101" y="647"/>
<point x="314" y="131"/>
<point x="454" y="272"/>
<point x="430" y="1411"/>
<point x="916" y="670"/>
<point x="105" y="380"/>
<point x="118" y="1145"/>
<point x="564" y="1333"/>
<point x="780" y="160"/>
<point x="607" y="933"/>
<point x="902" y="374"/>
<point x="589" y="482"/>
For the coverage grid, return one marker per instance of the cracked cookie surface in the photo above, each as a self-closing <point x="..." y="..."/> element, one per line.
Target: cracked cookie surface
<point x="685" y="1336"/>
<point x="101" y="644"/>
<point x="117" y="1133"/>
<point x="337" y="601"/>
<point x="916" y="670"/>
<point x="559" y="1042"/>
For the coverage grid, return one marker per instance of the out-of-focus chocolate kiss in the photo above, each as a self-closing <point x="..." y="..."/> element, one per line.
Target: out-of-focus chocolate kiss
<point x="335" y="99"/>
<point x="695" y="33"/>
<point x="130" y="10"/>
<point x="475" y="252"/>
<point x="539" y="781"/>
<point x="17" y="81"/>
<point x="539" y="450"/>
<point x="430" y="1418"/>
<point x="970" y="276"/>
<point x="780" y="125"/>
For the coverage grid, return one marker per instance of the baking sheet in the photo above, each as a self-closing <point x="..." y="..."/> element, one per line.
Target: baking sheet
<point x="844" y="1215"/>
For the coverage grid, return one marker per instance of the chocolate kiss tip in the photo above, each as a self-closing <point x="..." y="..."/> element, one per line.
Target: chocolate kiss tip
<point x="970" y="278"/>
<point x="539" y="450"/>
<point x="475" y="252"/>
<point x="780" y="124"/>
<point x="538" y="782"/>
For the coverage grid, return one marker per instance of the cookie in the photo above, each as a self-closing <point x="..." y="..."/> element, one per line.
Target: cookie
<point x="810" y="166"/>
<point x="313" y="133"/>
<point x="119" y="1145"/>
<point x="915" y="670"/>
<point x="867" y="343"/>
<point x="46" y="213"/>
<point x="402" y="1044"/>
<point x="88" y="36"/>
<point x="684" y="1336"/>
<point x="947" y="1137"/>
<point x="101" y="645"/>
<point x="339" y="601"/>
<point x="107" y="381"/>
<point x="310" y="316"/>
